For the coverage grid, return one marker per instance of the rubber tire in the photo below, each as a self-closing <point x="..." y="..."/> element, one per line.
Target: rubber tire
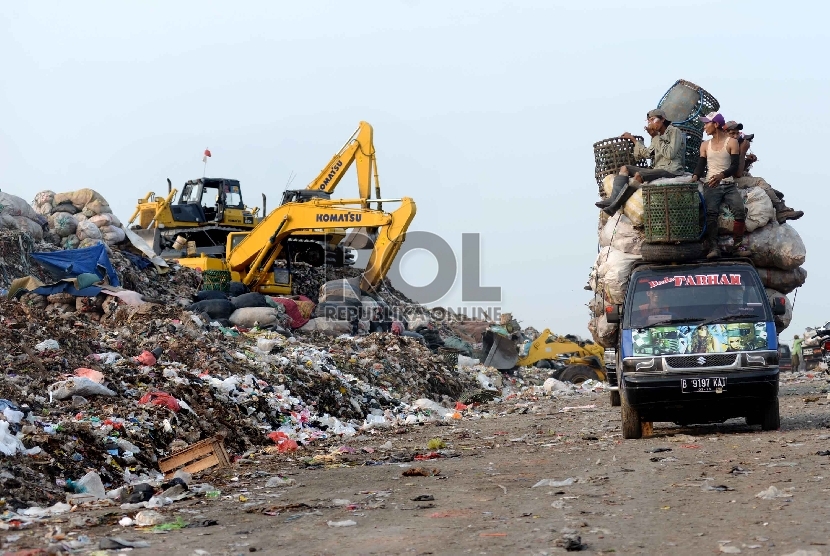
<point x="752" y="420"/>
<point x="771" y="420"/>
<point x="543" y="364"/>
<point x="577" y="374"/>
<point x="631" y="426"/>
<point x="664" y="252"/>
<point x="615" y="398"/>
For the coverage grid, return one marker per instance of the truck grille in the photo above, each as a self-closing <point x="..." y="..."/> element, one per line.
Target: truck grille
<point x="697" y="361"/>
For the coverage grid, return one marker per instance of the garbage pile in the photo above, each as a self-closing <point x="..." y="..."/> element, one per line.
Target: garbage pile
<point x="79" y="218"/>
<point x="777" y="250"/>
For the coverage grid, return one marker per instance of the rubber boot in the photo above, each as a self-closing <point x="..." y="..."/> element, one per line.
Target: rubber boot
<point x="712" y="238"/>
<point x="739" y="249"/>
<point x="784" y="213"/>
<point x="620" y="200"/>
<point x="620" y="182"/>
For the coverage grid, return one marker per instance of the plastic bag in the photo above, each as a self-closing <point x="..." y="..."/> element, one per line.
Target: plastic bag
<point x="256" y="316"/>
<point x="284" y="444"/>
<point x="603" y="332"/>
<point x="77" y="386"/>
<point x="87" y="230"/>
<point x="776" y="246"/>
<point x="620" y="233"/>
<point x="63" y="223"/>
<point x="784" y="281"/>
<point x="10" y="444"/>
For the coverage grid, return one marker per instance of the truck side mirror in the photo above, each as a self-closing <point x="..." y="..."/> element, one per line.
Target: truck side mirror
<point x="779" y="306"/>
<point x="612" y="314"/>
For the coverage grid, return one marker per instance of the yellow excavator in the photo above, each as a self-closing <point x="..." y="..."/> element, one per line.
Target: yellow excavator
<point x="334" y="246"/>
<point x="261" y="259"/>
<point x="573" y="360"/>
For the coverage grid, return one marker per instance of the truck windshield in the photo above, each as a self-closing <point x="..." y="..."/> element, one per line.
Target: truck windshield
<point x="722" y="295"/>
<point x="674" y="313"/>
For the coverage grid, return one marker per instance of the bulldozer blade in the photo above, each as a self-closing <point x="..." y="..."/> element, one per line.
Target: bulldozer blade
<point x="360" y="238"/>
<point x="501" y="351"/>
<point x="153" y="238"/>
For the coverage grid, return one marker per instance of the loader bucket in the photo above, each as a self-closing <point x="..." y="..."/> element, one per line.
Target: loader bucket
<point x="501" y="351"/>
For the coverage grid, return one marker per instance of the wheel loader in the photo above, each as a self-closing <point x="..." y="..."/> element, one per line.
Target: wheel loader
<point x="572" y="360"/>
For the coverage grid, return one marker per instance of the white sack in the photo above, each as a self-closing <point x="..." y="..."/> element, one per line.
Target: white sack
<point x="615" y="271"/>
<point x="256" y="316"/>
<point x="621" y="234"/>
<point x="633" y="208"/>
<point x="88" y="230"/>
<point x="63" y="223"/>
<point x="781" y="321"/>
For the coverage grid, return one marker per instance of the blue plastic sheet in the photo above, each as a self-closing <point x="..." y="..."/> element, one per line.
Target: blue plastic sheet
<point x="73" y="262"/>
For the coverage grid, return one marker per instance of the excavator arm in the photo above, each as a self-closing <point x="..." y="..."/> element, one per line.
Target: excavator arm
<point x="359" y="149"/>
<point x="254" y="256"/>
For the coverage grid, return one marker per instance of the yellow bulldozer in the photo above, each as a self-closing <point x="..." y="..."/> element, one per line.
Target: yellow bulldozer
<point x="572" y="360"/>
<point x="209" y="209"/>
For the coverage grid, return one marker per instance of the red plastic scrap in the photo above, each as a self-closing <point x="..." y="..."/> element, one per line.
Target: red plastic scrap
<point x="460" y="406"/>
<point x="431" y="455"/>
<point x="163" y="399"/>
<point x="284" y="444"/>
<point x="146" y="358"/>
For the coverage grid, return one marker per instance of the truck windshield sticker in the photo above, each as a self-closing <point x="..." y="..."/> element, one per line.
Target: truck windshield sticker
<point x="698" y="280"/>
<point x="710" y="338"/>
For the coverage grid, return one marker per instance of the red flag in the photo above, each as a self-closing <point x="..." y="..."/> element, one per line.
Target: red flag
<point x="207" y="154"/>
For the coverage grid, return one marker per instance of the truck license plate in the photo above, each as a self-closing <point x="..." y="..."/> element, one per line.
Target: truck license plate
<point x="713" y="384"/>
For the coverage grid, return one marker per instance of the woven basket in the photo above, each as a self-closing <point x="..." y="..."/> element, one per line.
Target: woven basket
<point x="672" y="213"/>
<point x="694" y="138"/>
<point x="216" y="280"/>
<point x="684" y="102"/>
<point x="612" y="153"/>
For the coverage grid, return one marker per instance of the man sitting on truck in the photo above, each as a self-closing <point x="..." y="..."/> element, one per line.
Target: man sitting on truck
<point x="720" y="156"/>
<point x="667" y="149"/>
<point x="744" y="180"/>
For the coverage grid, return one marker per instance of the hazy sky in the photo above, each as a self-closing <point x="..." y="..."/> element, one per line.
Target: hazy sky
<point x="484" y="112"/>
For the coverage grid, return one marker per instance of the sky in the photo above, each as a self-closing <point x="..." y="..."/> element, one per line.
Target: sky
<point x="484" y="112"/>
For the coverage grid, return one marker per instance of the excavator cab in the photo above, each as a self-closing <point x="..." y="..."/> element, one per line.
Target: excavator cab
<point x="303" y="195"/>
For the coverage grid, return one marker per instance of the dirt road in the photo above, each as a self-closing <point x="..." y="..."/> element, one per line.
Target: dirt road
<point x="682" y="491"/>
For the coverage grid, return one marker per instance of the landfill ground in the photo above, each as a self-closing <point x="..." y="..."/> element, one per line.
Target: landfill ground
<point x="692" y="490"/>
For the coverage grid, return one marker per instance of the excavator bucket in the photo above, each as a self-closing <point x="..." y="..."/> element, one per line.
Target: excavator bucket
<point x="360" y="238"/>
<point x="501" y="351"/>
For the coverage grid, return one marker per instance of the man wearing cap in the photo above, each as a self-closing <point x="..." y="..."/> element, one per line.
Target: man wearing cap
<point x="719" y="157"/>
<point x="744" y="180"/>
<point x="667" y="149"/>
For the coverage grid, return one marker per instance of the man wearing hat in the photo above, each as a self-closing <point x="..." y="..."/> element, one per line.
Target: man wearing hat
<point x="667" y="149"/>
<point x="744" y="180"/>
<point x="719" y="158"/>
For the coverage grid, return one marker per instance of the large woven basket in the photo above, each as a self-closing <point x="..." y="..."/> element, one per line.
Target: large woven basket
<point x="684" y="102"/>
<point x="216" y="280"/>
<point x="612" y="153"/>
<point x="672" y="213"/>
<point x="450" y="356"/>
<point x="694" y="138"/>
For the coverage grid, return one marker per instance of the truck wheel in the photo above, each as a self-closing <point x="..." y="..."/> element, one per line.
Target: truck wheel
<point x="771" y="420"/>
<point x="615" y="398"/>
<point x="631" y="427"/>
<point x="660" y="252"/>
<point x="543" y="364"/>
<point x="577" y="374"/>
<point x="752" y="420"/>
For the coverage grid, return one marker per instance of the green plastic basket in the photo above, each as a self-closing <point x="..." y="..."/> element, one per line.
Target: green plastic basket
<point x="216" y="280"/>
<point x="672" y="213"/>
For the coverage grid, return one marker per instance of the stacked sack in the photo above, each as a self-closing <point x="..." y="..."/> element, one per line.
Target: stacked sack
<point x="16" y="214"/>
<point x="79" y="218"/>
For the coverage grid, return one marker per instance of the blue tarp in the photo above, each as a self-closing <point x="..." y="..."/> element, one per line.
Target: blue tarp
<point x="73" y="262"/>
<point x="67" y="287"/>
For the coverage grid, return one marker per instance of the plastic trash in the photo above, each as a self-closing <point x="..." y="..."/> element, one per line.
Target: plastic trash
<point x="163" y="399"/>
<point x="77" y="386"/>
<point x="146" y="358"/>
<point x="48" y="345"/>
<point x="10" y="444"/>
<point x="345" y="523"/>
<point x="278" y="481"/>
<point x="284" y="444"/>
<point x="91" y="374"/>
<point x="148" y="518"/>
<point x="553" y="483"/>
<point x="771" y="494"/>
